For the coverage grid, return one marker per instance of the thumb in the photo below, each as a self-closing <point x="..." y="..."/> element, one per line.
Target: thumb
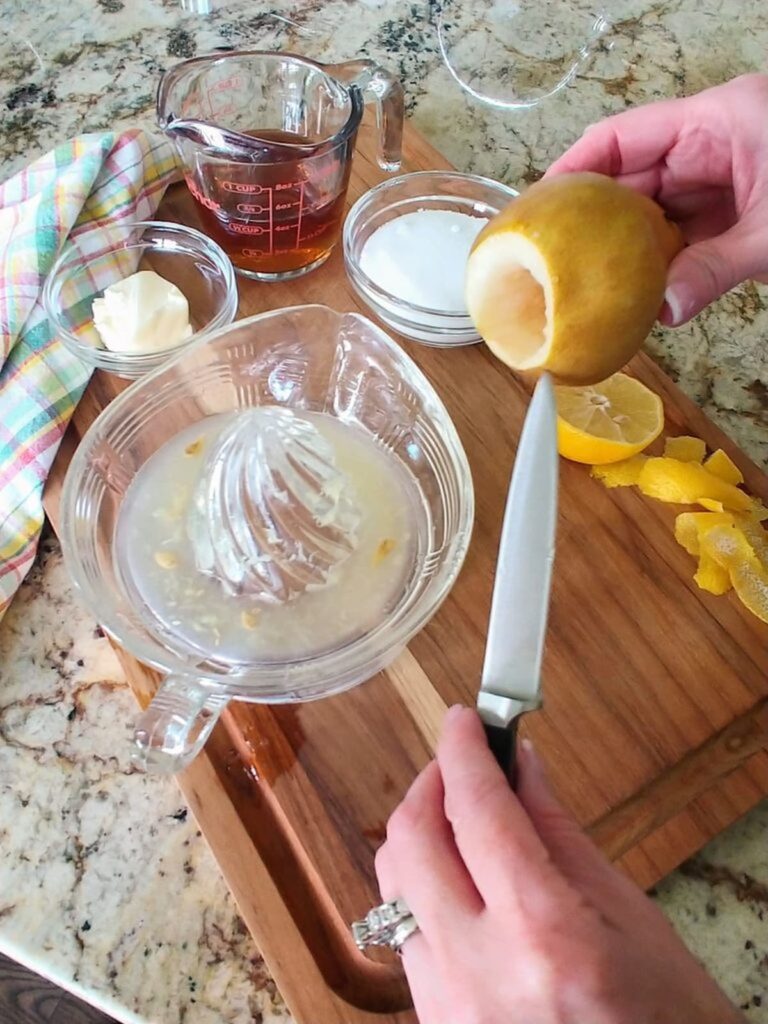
<point x="572" y="851"/>
<point x="706" y="270"/>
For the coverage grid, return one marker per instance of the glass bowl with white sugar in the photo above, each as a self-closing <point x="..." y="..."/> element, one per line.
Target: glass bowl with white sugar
<point x="127" y="296"/>
<point x="406" y="244"/>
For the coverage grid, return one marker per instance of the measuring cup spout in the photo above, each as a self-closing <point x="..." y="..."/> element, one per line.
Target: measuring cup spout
<point x="216" y="140"/>
<point x="196" y="132"/>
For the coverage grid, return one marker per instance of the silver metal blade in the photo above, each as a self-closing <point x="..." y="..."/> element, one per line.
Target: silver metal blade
<point x="511" y="678"/>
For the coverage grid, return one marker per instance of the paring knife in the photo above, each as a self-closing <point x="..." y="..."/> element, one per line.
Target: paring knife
<point x="511" y="680"/>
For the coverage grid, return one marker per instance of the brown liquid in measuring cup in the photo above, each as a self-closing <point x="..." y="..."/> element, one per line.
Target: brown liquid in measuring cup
<point x="278" y="215"/>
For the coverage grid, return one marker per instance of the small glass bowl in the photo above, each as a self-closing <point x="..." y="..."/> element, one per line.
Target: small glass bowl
<point x="184" y="256"/>
<point x="408" y="193"/>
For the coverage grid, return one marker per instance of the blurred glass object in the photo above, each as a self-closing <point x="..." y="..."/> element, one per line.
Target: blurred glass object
<point x="516" y="53"/>
<point x="197" y="6"/>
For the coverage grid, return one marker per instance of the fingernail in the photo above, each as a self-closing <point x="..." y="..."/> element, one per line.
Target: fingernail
<point x="454" y="712"/>
<point x="590" y="127"/>
<point x="670" y="312"/>
<point x="678" y="305"/>
<point x="531" y="756"/>
<point x="666" y="317"/>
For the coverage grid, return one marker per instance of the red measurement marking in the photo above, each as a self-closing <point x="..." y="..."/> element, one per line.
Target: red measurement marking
<point x="248" y="229"/>
<point x="318" y="173"/>
<point x="316" y="232"/>
<point x="226" y="83"/>
<point x="301" y="210"/>
<point x="211" y="204"/>
<point x="251" y="208"/>
<point x="271" y="224"/>
<point x="243" y="188"/>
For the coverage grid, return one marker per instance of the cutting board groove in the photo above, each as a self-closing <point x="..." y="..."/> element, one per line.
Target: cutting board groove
<point x="656" y="695"/>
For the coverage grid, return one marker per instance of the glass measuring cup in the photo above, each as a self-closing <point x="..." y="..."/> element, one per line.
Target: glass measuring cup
<point x="266" y="141"/>
<point x="306" y="358"/>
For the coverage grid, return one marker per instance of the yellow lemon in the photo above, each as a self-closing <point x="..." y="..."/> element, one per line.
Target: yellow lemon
<point x="685" y="449"/>
<point x="688" y="483"/>
<point x="607" y="422"/>
<point x="729" y="548"/>
<point x="570" y="277"/>
<point x="720" y="464"/>
<point x="620" y="474"/>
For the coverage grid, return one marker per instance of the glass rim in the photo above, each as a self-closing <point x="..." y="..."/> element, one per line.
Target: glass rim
<point x="602" y="24"/>
<point x="370" y="651"/>
<point x="173" y="75"/>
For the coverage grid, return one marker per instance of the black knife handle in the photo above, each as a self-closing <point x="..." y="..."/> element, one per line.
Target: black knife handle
<point x="503" y="743"/>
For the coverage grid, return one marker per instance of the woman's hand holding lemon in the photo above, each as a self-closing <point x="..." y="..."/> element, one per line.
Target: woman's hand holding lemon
<point x="704" y="159"/>
<point x="572" y="275"/>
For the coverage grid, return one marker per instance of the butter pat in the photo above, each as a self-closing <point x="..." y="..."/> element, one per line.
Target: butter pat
<point x="142" y="314"/>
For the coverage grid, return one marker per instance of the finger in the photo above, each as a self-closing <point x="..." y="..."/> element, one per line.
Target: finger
<point x="706" y="270"/>
<point x="417" y="959"/>
<point x="685" y="204"/>
<point x="425" y="976"/>
<point x="494" y="835"/>
<point x="419" y="963"/>
<point x="635" y="140"/>
<point x="386" y="874"/>
<point x="648" y="182"/>
<point x="421" y="862"/>
<point x="572" y="851"/>
<point x="421" y="969"/>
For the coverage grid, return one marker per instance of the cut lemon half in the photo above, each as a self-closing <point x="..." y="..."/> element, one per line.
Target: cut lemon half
<point x="607" y="422"/>
<point x="570" y="277"/>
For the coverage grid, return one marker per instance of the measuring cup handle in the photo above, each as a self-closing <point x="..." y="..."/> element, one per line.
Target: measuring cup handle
<point x="173" y="729"/>
<point x="375" y="83"/>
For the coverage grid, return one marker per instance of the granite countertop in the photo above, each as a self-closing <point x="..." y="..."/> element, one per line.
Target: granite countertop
<point x="106" y="886"/>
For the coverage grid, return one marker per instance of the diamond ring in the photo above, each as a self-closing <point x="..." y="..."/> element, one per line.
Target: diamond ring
<point x="389" y="924"/>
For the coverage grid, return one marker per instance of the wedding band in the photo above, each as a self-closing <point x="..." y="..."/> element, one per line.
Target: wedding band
<point x="403" y="931"/>
<point x="389" y="924"/>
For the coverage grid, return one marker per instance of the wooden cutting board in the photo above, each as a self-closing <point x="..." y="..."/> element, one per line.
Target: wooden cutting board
<point x="654" y="723"/>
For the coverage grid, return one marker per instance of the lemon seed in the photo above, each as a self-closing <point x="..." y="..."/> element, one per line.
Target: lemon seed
<point x="385" y="548"/>
<point x="166" y="559"/>
<point x="250" y="620"/>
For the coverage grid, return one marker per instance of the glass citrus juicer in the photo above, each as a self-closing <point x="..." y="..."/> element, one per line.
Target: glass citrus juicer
<point x="269" y="517"/>
<point x="265" y="141"/>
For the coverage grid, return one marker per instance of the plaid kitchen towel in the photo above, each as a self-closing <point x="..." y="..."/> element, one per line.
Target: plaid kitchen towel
<point x="77" y="187"/>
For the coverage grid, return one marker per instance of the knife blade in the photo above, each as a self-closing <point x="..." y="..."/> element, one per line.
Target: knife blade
<point x="511" y="677"/>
